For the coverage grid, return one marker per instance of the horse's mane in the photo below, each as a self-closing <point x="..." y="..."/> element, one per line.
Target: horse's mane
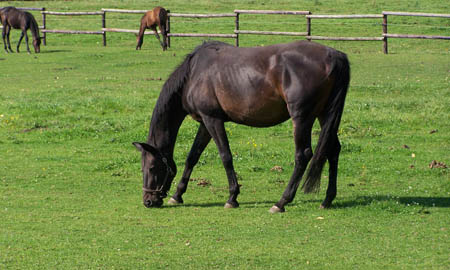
<point x="180" y="75"/>
<point x="34" y="27"/>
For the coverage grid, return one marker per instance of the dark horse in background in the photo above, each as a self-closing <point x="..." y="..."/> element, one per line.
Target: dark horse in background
<point x="259" y="87"/>
<point x="12" y="17"/>
<point x="151" y="19"/>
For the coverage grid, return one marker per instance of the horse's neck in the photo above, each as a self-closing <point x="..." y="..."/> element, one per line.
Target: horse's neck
<point x="34" y="29"/>
<point x="166" y="121"/>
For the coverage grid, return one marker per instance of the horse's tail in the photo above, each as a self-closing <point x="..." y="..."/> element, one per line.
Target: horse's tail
<point x="163" y="25"/>
<point x="334" y="109"/>
<point x="163" y="19"/>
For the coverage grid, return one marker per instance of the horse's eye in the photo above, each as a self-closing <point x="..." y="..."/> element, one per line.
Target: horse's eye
<point x="151" y="169"/>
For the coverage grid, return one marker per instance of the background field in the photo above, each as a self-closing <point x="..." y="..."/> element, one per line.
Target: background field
<point x="70" y="180"/>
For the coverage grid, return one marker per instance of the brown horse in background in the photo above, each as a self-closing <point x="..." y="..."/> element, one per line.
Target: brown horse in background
<point x="12" y="17"/>
<point x="151" y="19"/>
<point x="259" y="87"/>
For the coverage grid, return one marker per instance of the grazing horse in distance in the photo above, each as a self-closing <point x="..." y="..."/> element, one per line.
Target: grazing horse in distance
<point x="12" y="17"/>
<point x="151" y="19"/>
<point x="259" y="87"/>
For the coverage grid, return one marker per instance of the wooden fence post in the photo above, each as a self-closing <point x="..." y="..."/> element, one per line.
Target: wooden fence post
<point x="104" y="26"/>
<point x="44" y="36"/>
<point x="308" y="28"/>
<point x="168" y="28"/>
<point x="237" y="29"/>
<point x="385" y="38"/>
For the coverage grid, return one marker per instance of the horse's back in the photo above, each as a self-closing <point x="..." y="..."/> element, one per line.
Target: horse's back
<point x="254" y="85"/>
<point x="16" y="18"/>
<point x="155" y="16"/>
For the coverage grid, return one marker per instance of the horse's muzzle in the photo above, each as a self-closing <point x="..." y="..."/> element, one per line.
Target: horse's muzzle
<point x="149" y="203"/>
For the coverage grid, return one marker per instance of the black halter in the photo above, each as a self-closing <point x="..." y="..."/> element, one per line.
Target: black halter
<point x="161" y="190"/>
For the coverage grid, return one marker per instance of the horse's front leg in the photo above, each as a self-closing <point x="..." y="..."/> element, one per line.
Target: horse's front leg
<point x="20" y="40"/>
<point x="200" y="142"/>
<point x="217" y="131"/>
<point x="26" y="40"/>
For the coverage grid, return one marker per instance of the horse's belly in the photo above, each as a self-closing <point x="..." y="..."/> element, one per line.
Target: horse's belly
<point x="261" y="114"/>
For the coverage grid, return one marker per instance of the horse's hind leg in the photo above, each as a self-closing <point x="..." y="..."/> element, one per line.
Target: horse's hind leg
<point x="164" y="35"/>
<point x="333" y="158"/>
<point x="4" y="38"/>
<point x="200" y="142"/>
<point x="157" y="36"/>
<point x="140" y="38"/>
<point x="8" y="30"/>
<point x="303" y="154"/>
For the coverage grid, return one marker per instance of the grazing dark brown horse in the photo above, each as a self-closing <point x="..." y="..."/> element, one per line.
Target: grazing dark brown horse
<point x="151" y="19"/>
<point x="260" y="87"/>
<point x="12" y="17"/>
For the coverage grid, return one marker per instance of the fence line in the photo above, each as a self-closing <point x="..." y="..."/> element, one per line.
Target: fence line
<point x="82" y="32"/>
<point x="385" y="27"/>
<point x="367" y="16"/>
<point x="169" y="34"/>
<point x="236" y="32"/>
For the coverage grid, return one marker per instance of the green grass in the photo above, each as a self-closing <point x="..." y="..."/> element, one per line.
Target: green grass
<point x="70" y="179"/>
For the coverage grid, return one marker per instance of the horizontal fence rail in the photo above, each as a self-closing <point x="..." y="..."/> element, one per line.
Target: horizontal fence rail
<point x="416" y="14"/>
<point x="236" y="32"/>
<point x="198" y="16"/>
<point x="366" y="16"/>
<point x="268" y="12"/>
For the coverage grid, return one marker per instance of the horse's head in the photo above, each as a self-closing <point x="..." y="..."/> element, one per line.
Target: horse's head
<point x="157" y="173"/>
<point x="37" y="45"/>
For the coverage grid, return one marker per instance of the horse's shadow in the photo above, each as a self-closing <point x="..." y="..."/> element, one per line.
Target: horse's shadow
<point x="409" y="200"/>
<point x="357" y="202"/>
<point x="219" y="204"/>
<point x="55" y="51"/>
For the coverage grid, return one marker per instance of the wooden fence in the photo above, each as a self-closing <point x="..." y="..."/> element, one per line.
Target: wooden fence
<point x="82" y="32"/>
<point x="43" y="18"/>
<point x="385" y="27"/>
<point x="169" y="31"/>
<point x="237" y="31"/>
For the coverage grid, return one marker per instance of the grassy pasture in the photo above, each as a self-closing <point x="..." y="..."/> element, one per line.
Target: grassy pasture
<point x="70" y="179"/>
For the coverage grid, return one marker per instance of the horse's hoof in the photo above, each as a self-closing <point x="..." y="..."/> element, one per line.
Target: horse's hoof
<point x="275" y="209"/>
<point x="229" y="205"/>
<point x="324" y="206"/>
<point x="172" y="201"/>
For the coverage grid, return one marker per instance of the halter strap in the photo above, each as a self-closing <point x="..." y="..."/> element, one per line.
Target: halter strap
<point x="161" y="190"/>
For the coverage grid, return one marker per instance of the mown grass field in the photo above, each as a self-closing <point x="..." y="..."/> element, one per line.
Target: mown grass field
<point x="70" y="180"/>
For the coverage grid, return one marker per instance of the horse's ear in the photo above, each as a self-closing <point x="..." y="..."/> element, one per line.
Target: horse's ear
<point x="139" y="146"/>
<point x="147" y="148"/>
